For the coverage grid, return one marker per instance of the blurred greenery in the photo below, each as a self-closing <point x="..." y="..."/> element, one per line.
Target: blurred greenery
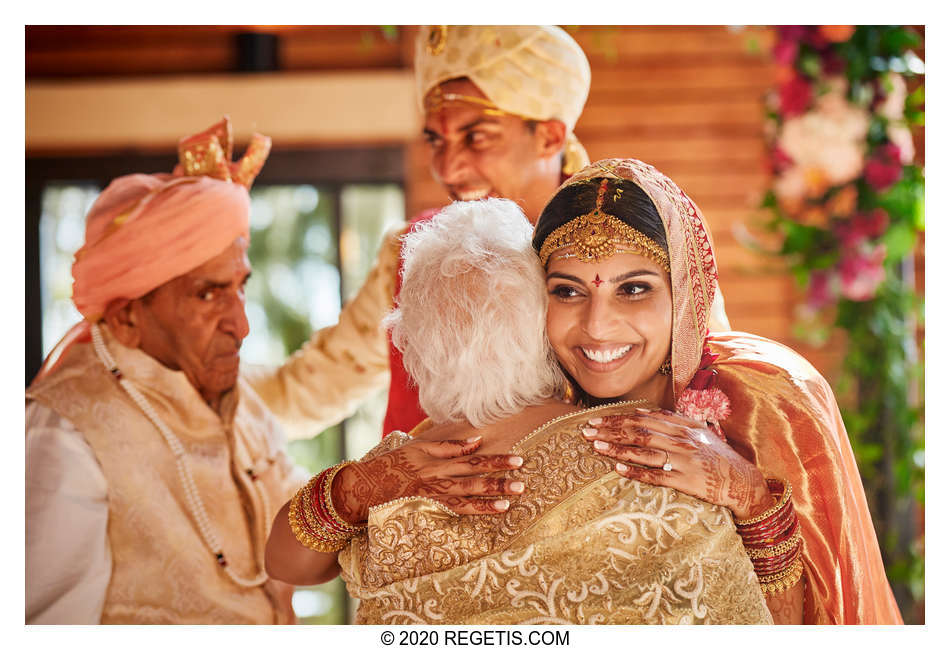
<point x="62" y="231"/>
<point x="881" y="385"/>
<point x="310" y="245"/>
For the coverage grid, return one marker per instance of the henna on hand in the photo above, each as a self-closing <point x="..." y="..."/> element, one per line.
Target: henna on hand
<point x="705" y="466"/>
<point x="412" y="471"/>
<point x="787" y="607"/>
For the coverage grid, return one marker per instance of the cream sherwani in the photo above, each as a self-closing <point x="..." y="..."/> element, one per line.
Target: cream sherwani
<point x="109" y="537"/>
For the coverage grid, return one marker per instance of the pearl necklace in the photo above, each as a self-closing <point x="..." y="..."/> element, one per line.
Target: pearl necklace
<point x="193" y="499"/>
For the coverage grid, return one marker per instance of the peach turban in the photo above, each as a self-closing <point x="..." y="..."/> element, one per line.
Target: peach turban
<point x="147" y="229"/>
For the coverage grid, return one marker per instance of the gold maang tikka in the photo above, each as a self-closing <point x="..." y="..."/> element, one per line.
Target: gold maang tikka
<point x="596" y="235"/>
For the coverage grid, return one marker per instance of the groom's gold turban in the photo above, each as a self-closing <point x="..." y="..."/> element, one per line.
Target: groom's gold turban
<point x="536" y="72"/>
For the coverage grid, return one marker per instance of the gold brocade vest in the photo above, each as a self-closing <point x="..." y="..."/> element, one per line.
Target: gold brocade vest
<point x="581" y="545"/>
<point x="162" y="571"/>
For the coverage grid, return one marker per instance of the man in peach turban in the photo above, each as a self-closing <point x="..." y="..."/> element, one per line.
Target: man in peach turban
<point x="499" y="106"/>
<point x="151" y="467"/>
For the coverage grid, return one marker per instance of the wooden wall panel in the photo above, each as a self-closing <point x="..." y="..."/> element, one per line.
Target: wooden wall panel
<point x="58" y="51"/>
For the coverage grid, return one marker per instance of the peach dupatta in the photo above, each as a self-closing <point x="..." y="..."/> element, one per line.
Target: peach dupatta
<point x="784" y="417"/>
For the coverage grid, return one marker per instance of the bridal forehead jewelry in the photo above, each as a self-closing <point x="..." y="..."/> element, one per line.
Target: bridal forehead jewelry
<point x="596" y="235"/>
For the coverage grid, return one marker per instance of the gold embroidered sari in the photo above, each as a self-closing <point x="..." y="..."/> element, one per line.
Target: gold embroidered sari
<point x="581" y="545"/>
<point x="784" y="417"/>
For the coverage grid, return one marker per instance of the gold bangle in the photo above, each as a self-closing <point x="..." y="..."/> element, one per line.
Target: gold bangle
<point x="781" y="573"/>
<point x="786" y="495"/>
<point x="328" y="501"/>
<point x="304" y="499"/>
<point x="304" y="536"/>
<point x="784" y="580"/>
<point x="777" y="549"/>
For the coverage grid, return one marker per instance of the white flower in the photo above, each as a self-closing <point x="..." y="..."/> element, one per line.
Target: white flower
<point x="893" y="105"/>
<point x="900" y="135"/>
<point x="830" y="138"/>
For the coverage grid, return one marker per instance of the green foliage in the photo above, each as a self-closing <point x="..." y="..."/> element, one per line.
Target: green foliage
<point x="881" y="376"/>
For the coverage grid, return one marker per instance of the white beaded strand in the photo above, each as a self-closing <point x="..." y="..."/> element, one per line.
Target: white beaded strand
<point x="195" y="504"/>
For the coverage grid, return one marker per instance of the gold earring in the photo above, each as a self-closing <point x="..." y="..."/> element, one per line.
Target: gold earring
<point x="568" y="393"/>
<point x="666" y="368"/>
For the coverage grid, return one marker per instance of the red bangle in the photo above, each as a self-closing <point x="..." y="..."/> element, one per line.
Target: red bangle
<point x="773" y="541"/>
<point x="782" y="530"/>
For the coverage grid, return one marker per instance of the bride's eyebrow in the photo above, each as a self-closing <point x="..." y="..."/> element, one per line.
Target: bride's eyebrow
<point x="564" y="276"/>
<point x="632" y="274"/>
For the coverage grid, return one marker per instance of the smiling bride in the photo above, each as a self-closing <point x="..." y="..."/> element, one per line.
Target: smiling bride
<point x="496" y="509"/>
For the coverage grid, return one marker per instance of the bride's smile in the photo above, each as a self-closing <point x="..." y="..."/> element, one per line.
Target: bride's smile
<point x="609" y="323"/>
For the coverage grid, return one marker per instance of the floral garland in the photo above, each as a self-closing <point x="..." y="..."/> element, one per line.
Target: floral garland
<point x="840" y="139"/>
<point x="847" y="205"/>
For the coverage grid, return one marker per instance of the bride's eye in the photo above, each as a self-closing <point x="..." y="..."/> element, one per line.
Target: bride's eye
<point x="564" y="291"/>
<point x="633" y="289"/>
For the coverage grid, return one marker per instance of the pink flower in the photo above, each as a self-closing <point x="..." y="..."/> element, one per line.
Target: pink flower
<point x="884" y="168"/>
<point x="795" y="96"/>
<point x="889" y="152"/>
<point x="785" y="52"/>
<point x="875" y="223"/>
<point x="861" y="227"/>
<point x="846" y="233"/>
<point x="709" y="405"/>
<point x="814" y="37"/>
<point x="901" y="137"/>
<point x="881" y="174"/>
<point x="791" y="32"/>
<point x="831" y="63"/>
<point x="861" y="272"/>
<point x="780" y="160"/>
<point x="819" y="294"/>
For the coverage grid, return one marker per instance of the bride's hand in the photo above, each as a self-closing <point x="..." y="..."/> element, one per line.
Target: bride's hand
<point x="447" y="471"/>
<point x="698" y="462"/>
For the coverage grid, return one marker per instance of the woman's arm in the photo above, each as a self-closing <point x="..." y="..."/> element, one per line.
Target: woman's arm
<point x="788" y="607"/>
<point x="288" y="560"/>
<point x="662" y="448"/>
<point x="448" y="471"/>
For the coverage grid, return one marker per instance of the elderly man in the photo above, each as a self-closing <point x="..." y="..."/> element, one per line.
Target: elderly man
<point x="152" y="469"/>
<point x="499" y="104"/>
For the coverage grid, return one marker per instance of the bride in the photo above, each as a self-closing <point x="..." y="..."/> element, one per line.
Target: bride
<point x="496" y="509"/>
<point x="631" y="275"/>
<point x="731" y="445"/>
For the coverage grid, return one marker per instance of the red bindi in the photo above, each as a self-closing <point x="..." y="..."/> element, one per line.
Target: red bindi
<point x="597" y="281"/>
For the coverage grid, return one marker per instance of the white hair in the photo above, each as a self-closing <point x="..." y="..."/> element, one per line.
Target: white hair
<point x="470" y="320"/>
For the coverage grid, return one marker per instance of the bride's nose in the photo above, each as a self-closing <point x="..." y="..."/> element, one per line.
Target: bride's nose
<point x="599" y="319"/>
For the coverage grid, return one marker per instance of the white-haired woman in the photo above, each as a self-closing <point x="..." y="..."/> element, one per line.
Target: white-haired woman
<point x="495" y="510"/>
